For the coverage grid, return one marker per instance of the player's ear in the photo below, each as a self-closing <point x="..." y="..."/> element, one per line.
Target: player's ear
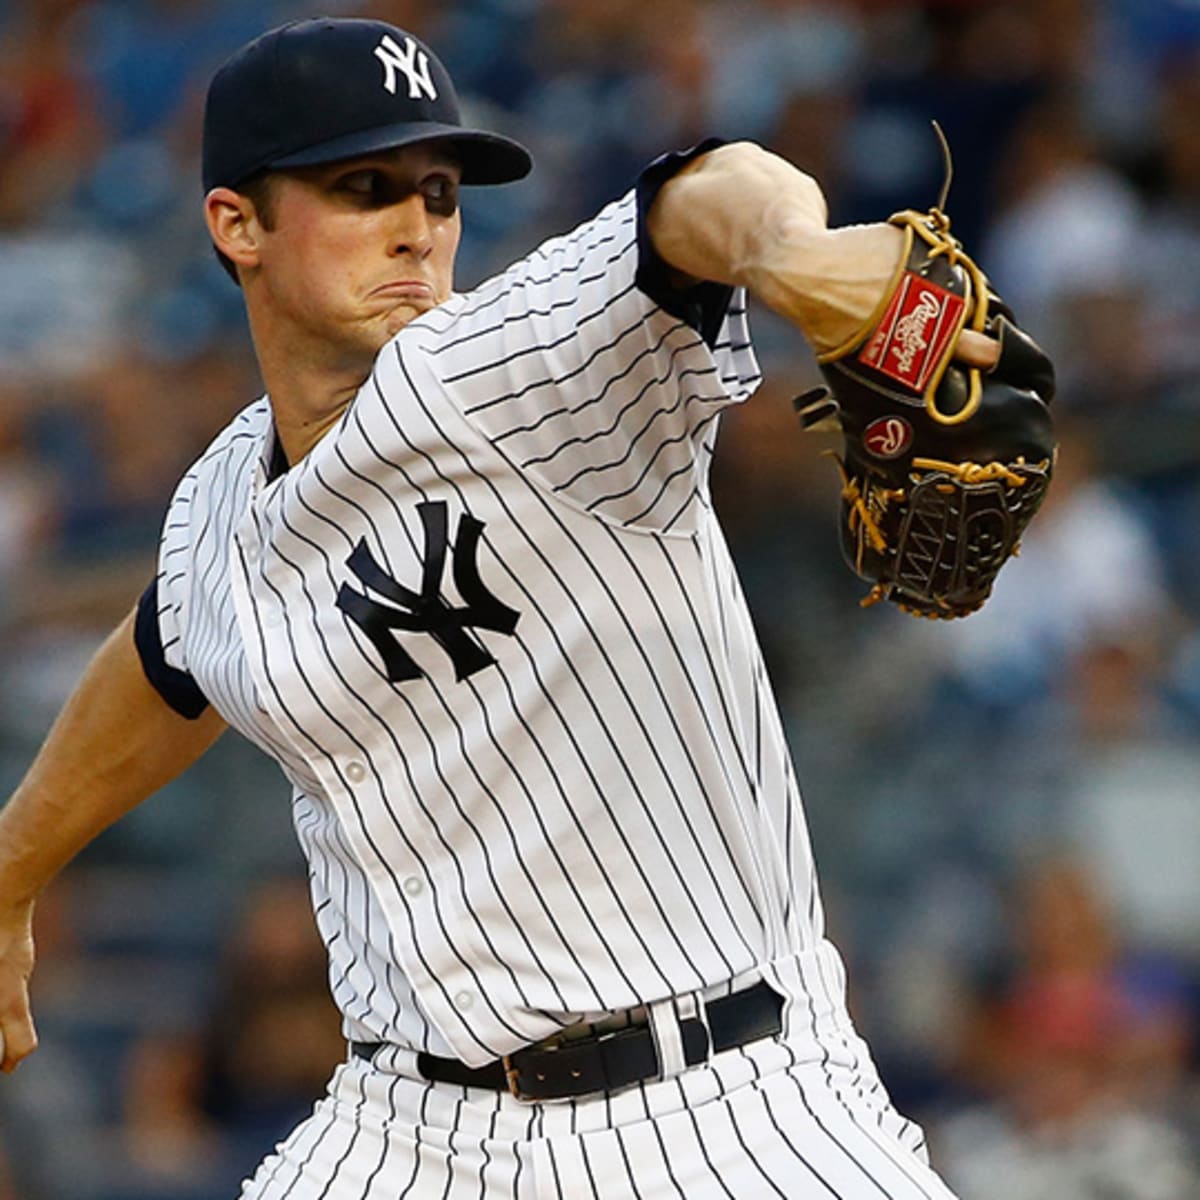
<point x="233" y="225"/>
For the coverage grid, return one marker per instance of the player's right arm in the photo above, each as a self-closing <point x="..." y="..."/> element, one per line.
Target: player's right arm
<point x="743" y="216"/>
<point x="115" y="743"/>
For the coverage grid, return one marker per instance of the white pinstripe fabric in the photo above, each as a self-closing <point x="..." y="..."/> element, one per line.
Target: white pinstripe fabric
<point x="604" y="816"/>
<point x="767" y="1120"/>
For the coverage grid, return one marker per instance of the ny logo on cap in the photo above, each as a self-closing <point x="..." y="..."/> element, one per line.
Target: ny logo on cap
<point x="411" y="60"/>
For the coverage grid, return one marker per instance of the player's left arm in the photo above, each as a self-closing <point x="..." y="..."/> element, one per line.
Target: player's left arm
<point x="744" y="216"/>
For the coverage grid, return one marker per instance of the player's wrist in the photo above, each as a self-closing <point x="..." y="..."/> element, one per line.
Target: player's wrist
<point x="830" y="283"/>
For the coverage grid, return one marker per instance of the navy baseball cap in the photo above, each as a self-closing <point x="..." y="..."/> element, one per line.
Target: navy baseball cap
<point x="320" y="90"/>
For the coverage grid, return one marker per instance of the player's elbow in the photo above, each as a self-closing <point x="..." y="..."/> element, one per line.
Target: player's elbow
<point x="728" y="212"/>
<point x="749" y="175"/>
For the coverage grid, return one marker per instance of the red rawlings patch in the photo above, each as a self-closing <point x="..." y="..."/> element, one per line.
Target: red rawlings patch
<point x="888" y="437"/>
<point x="915" y="332"/>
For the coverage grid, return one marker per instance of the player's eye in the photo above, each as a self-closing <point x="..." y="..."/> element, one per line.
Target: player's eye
<point x="441" y="195"/>
<point x="360" y="183"/>
<point x="377" y="188"/>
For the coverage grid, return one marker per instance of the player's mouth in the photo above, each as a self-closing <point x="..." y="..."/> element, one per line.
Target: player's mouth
<point x="405" y="289"/>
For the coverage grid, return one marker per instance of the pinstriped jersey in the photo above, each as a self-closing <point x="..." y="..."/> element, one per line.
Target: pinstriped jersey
<point x="490" y="630"/>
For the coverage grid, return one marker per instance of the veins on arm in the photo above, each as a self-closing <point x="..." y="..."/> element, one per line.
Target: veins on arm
<point x="742" y="215"/>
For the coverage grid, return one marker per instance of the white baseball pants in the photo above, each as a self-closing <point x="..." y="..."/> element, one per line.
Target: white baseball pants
<point x="769" y="1119"/>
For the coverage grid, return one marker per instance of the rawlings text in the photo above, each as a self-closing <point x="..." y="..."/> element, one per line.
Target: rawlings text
<point x="915" y="331"/>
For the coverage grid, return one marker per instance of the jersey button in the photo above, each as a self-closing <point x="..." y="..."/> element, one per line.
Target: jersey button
<point x="356" y="772"/>
<point x="413" y="886"/>
<point x="464" y="1000"/>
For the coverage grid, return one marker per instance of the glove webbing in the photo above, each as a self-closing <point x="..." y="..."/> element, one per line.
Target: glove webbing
<point x="864" y="522"/>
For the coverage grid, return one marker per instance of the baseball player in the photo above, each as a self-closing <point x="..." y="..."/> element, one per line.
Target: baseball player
<point x="458" y="572"/>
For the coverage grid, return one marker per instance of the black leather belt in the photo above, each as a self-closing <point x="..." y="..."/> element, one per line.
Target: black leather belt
<point x="604" y="1062"/>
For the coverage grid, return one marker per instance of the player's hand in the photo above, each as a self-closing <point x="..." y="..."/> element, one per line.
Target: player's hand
<point x="17" y="1036"/>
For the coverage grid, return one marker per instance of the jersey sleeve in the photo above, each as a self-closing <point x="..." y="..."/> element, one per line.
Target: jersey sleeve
<point x="590" y="370"/>
<point x="161" y="622"/>
<point x="703" y="306"/>
<point x="176" y="687"/>
<point x="185" y="628"/>
<point x="162" y="610"/>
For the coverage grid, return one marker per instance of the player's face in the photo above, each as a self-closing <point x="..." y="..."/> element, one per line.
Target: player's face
<point x="359" y="248"/>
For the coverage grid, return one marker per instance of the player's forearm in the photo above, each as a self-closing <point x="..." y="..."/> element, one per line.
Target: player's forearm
<point x="742" y="215"/>
<point x="114" y="743"/>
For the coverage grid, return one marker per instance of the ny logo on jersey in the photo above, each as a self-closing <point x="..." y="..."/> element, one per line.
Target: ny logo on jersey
<point x="411" y="61"/>
<point x="427" y="611"/>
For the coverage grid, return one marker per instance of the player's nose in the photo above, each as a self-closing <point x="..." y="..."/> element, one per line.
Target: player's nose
<point x="410" y="231"/>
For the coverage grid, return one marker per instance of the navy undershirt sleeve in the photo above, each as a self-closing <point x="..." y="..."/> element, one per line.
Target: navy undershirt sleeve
<point x="176" y="687"/>
<point x="702" y="305"/>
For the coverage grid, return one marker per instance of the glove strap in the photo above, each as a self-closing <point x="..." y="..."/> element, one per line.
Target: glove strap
<point x="933" y="228"/>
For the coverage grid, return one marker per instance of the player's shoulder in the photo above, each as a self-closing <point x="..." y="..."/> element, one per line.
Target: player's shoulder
<point x="233" y="450"/>
<point x="566" y="274"/>
<point x="244" y="433"/>
<point x="604" y="236"/>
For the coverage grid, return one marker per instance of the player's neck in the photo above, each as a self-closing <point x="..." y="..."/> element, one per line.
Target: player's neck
<point x="298" y="435"/>
<point x="309" y="397"/>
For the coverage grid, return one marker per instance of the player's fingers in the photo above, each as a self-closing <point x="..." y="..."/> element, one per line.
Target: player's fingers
<point x="17" y="957"/>
<point x="977" y="349"/>
<point x="18" y="1037"/>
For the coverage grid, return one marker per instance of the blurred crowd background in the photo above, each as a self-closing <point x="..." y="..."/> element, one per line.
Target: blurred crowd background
<point x="1006" y="811"/>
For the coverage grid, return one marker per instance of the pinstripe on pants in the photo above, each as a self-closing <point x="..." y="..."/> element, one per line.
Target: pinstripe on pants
<point x="799" y="1117"/>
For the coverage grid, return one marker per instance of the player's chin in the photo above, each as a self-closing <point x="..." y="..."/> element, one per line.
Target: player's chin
<point x="404" y="313"/>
